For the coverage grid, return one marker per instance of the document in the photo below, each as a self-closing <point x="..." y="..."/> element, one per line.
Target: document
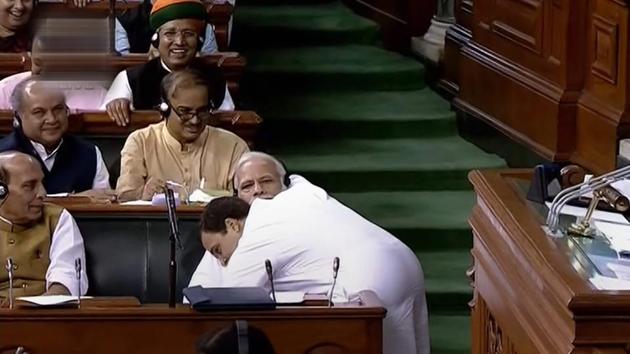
<point x="137" y="202"/>
<point x="289" y="297"/>
<point x="52" y="300"/>
<point x="607" y="283"/>
<point x="597" y="214"/>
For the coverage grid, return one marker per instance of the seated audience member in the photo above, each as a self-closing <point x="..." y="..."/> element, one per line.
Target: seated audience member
<point x="42" y="239"/>
<point x="230" y="339"/>
<point x="80" y="95"/>
<point x="133" y="32"/>
<point x="178" y="25"/>
<point x="15" y="25"/>
<point x="301" y="230"/>
<point x="182" y="148"/>
<point x="70" y="164"/>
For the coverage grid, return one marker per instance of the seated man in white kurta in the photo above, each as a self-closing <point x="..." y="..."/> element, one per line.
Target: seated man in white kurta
<point x="301" y="230"/>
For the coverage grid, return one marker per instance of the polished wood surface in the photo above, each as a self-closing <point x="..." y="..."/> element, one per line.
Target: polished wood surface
<point x="528" y="296"/>
<point x="399" y="19"/>
<point x="355" y="328"/>
<point x="84" y="207"/>
<point x="242" y="123"/>
<point x="551" y="74"/>
<point x="232" y="64"/>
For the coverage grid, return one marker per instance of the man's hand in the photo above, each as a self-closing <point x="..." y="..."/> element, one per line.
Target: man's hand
<point x="100" y="195"/>
<point x="80" y="3"/>
<point x="153" y="186"/>
<point x="118" y="111"/>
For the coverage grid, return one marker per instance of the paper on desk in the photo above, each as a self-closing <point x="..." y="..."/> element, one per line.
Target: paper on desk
<point x="617" y="234"/>
<point x="597" y="214"/>
<point x="607" y="283"/>
<point x="137" y="202"/>
<point x="289" y="297"/>
<point x="51" y="300"/>
<point x="57" y="195"/>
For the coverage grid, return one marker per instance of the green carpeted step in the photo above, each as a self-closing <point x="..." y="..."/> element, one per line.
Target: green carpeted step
<point x="357" y="165"/>
<point x="320" y="24"/>
<point x="447" y="287"/>
<point x="338" y="68"/>
<point x="449" y="334"/>
<point x="331" y="115"/>
<point x="426" y="220"/>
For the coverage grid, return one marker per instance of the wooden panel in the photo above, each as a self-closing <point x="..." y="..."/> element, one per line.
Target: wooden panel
<point x="605" y="49"/>
<point x="519" y="21"/>
<point x="399" y="19"/>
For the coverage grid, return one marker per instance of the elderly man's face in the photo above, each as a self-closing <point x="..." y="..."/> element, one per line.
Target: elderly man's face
<point x="25" y="201"/>
<point x="15" y="14"/>
<point x="188" y="117"/>
<point x="44" y="115"/>
<point x="178" y="42"/>
<point x="223" y="244"/>
<point x="258" y="178"/>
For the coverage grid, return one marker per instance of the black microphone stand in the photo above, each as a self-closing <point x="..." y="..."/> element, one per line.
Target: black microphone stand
<point x="175" y="244"/>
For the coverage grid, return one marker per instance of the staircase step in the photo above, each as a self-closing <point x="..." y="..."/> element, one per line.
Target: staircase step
<point x="331" y="115"/>
<point x="447" y="287"/>
<point x="321" y="24"/>
<point x="425" y="220"/>
<point x="341" y="68"/>
<point x="449" y="334"/>
<point x="358" y="165"/>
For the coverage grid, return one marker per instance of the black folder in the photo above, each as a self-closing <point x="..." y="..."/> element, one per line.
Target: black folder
<point x="245" y="298"/>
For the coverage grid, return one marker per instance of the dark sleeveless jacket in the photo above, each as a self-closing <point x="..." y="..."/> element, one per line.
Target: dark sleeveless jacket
<point x="75" y="163"/>
<point x="136" y="24"/>
<point x="145" y="81"/>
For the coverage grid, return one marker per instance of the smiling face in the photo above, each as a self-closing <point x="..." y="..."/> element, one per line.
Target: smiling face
<point x="44" y="114"/>
<point x="15" y="14"/>
<point x="25" y="201"/>
<point x="178" y="42"/>
<point x="187" y="101"/>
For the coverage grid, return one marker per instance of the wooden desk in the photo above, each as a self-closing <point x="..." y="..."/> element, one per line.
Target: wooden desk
<point x="355" y="329"/>
<point x="98" y="124"/>
<point x="531" y="292"/>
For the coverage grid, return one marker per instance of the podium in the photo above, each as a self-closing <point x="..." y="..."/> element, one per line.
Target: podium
<point x="354" y="328"/>
<point x="532" y="292"/>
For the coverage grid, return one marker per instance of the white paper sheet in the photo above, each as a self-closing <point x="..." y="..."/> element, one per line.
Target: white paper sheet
<point x="289" y="297"/>
<point x="51" y="300"/>
<point x="607" y="283"/>
<point x="137" y="202"/>
<point x="597" y="214"/>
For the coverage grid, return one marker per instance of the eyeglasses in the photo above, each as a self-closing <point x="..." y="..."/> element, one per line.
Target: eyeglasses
<point x="186" y="114"/>
<point x="171" y="35"/>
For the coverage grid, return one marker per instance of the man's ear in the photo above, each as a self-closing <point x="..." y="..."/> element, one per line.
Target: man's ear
<point x="232" y="224"/>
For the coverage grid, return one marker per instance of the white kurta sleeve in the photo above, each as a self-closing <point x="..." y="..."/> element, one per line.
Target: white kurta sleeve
<point x="66" y="246"/>
<point x="120" y="88"/>
<point x="101" y="178"/>
<point x="209" y="272"/>
<point x="228" y="102"/>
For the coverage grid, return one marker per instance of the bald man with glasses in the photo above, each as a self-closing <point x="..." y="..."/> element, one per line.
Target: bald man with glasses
<point x="182" y="148"/>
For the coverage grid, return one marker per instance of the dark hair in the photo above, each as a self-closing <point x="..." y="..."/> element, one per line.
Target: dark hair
<point x="219" y="209"/>
<point x="186" y="78"/>
<point x="225" y="341"/>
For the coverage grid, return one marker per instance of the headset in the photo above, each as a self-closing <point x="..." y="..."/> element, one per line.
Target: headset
<point x="242" y="336"/>
<point x="155" y="41"/>
<point x="4" y="188"/>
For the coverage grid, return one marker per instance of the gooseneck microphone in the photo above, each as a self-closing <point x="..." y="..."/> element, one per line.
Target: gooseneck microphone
<point x="175" y="244"/>
<point x="77" y="270"/>
<point x="269" y="270"/>
<point x="335" y="272"/>
<point x="9" y="268"/>
<point x="172" y="214"/>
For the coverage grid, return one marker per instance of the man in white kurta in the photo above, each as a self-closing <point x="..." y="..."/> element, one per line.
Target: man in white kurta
<point x="301" y="230"/>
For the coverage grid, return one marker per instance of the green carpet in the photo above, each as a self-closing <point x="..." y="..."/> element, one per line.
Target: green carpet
<point x="359" y="121"/>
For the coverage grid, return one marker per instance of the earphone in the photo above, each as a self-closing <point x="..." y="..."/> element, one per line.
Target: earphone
<point x="155" y="41"/>
<point x="243" y="337"/>
<point x="4" y="190"/>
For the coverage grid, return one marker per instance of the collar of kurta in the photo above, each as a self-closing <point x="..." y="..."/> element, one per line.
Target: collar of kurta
<point x="175" y="144"/>
<point x="7" y="225"/>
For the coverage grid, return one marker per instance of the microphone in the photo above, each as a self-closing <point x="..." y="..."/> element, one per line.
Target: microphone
<point x="9" y="268"/>
<point x="614" y="198"/>
<point x="172" y="215"/>
<point x="269" y="270"/>
<point x="335" y="272"/>
<point x="77" y="270"/>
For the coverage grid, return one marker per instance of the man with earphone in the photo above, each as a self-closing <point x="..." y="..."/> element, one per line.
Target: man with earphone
<point x="182" y="148"/>
<point x="42" y="240"/>
<point x="178" y="26"/>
